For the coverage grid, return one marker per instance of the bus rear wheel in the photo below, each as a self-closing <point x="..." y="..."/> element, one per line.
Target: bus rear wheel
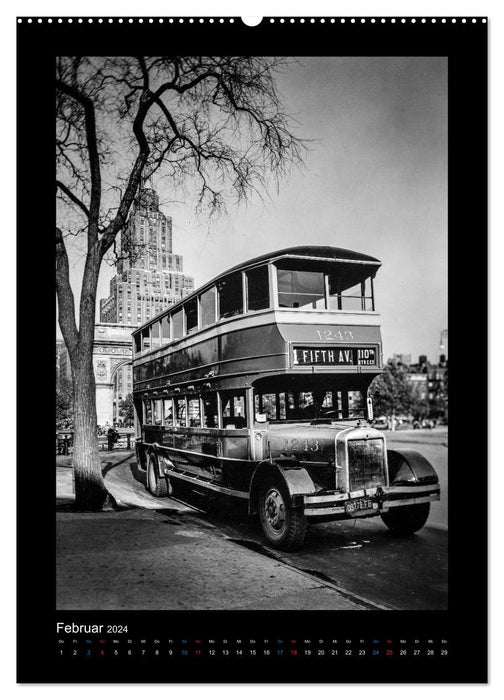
<point x="283" y="526"/>
<point x="406" y="520"/>
<point x="156" y="485"/>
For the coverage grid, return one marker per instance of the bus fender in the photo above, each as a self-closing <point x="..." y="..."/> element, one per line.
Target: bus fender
<point x="296" y="479"/>
<point x="153" y="450"/>
<point x="141" y="455"/>
<point x="406" y="466"/>
<point x="162" y="461"/>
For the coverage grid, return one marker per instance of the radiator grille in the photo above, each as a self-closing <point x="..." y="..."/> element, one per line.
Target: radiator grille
<point x="366" y="463"/>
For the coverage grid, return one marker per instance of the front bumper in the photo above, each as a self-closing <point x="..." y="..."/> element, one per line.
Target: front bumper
<point x="381" y="498"/>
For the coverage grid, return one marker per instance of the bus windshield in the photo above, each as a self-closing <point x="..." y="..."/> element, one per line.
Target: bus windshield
<point x="325" y="404"/>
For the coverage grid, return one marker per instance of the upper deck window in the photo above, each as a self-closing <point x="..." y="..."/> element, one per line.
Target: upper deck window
<point x="207" y="307"/>
<point x="156" y="335"/>
<point x="138" y="343"/>
<point x="165" y="330"/>
<point x="230" y="296"/>
<point x="257" y="288"/>
<point x="191" y="313"/>
<point x="301" y="289"/>
<point x="146" y="344"/>
<point x="356" y="297"/>
<point x="178" y="324"/>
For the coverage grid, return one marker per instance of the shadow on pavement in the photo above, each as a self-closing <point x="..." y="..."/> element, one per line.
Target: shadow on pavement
<point x="111" y="465"/>
<point x="138" y="474"/>
<point x="63" y="505"/>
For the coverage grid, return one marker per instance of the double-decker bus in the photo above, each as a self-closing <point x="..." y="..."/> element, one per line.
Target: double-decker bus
<point x="254" y="388"/>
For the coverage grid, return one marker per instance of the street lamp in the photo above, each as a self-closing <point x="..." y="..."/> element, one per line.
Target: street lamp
<point x="444" y="334"/>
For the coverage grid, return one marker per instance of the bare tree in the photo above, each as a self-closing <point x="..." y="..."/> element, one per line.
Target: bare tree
<point x="214" y="126"/>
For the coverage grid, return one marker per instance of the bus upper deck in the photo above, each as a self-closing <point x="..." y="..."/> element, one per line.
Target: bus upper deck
<point x="307" y="309"/>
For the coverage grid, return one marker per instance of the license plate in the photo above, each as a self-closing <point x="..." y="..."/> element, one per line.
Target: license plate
<point x="360" y="506"/>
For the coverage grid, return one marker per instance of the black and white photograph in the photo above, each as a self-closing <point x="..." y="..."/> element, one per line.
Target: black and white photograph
<point x="252" y="333"/>
<point x="260" y="257"/>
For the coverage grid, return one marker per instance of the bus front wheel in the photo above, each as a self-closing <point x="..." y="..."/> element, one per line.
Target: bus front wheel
<point x="156" y="485"/>
<point x="283" y="526"/>
<point x="405" y="520"/>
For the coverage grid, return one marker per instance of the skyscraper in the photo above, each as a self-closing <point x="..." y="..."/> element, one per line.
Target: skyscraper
<point x="149" y="278"/>
<point x="149" y="275"/>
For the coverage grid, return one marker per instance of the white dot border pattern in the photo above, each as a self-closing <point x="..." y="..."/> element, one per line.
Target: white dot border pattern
<point x="272" y="20"/>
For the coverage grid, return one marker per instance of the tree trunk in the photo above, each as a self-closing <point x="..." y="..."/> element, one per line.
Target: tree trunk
<point x="90" y="490"/>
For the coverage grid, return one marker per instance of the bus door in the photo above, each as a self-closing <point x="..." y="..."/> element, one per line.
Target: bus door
<point x="235" y="435"/>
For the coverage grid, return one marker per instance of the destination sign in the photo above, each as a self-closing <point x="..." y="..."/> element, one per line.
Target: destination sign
<point x="333" y="356"/>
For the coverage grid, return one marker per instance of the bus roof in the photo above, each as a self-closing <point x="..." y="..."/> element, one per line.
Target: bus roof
<point x="314" y="253"/>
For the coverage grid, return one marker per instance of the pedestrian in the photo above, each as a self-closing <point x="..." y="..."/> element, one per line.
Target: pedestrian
<point x="111" y="438"/>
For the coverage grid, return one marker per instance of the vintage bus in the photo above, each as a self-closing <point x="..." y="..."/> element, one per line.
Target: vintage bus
<point x="254" y="389"/>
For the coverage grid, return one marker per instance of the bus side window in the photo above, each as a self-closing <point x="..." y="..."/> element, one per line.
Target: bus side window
<point x="180" y="412"/>
<point x="210" y="411"/>
<point x="146" y="343"/>
<point x="148" y="412"/>
<point x="156" y="335"/>
<point x="257" y="289"/>
<point x="191" y="315"/>
<point x="193" y="412"/>
<point x="165" y="330"/>
<point x="233" y="410"/>
<point x="167" y="412"/>
<point x="157" y="411"/>
<point x="230" y="296"/>
<point x="207" y="307"/>
<point x="177" y="321"/>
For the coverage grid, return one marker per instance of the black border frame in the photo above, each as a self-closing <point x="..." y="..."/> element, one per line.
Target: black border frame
<point x="465" y="622"/>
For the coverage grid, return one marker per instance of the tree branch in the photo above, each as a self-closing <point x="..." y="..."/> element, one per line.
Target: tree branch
<point x="66" y="307"/>
<point x="119" y="220"/>
<point x="92" y="148"/>
<point x="73" y="198"/>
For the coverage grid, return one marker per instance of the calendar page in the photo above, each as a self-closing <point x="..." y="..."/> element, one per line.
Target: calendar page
<point x="242" y="470"/>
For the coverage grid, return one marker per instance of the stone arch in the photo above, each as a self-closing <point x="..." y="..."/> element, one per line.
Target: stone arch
<point x="113" y="373"/>
<point x="119" y="365"/>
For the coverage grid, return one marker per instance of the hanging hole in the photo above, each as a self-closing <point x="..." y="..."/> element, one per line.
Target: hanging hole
<point x="251" y="21"/>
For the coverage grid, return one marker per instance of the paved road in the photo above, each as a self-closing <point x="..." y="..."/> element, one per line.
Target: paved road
<point x="360" y="557"/>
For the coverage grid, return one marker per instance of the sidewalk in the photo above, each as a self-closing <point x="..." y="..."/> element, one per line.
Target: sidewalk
<point x="64" y="473"/>
<point x="158" y="554"/>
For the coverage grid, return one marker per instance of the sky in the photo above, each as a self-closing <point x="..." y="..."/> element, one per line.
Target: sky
<point x="374" y="180"/>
